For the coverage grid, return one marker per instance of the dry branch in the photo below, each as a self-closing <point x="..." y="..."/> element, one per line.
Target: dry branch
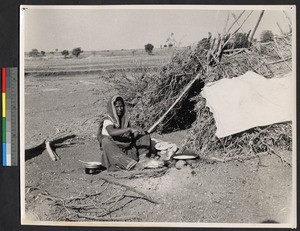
<point x="100" y="204"/>
<point x="51" y="153"/>
<point x="95" y="218"/>
<point x="234" y="158"/>
<point x="138" y="173"/>
<point x="143" y="196"/>
<point x="279" y="61"/>
<point x="256" y="25"/>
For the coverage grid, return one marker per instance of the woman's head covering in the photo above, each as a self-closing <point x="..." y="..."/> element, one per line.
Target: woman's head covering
<point x="112" y="114"/>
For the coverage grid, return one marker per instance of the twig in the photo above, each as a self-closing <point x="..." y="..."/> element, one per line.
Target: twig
<point x="228" y="159"/>
<point x="280" y="54"/>
<point x="232" y="50"/>
<point x="117" y="200"/>
<point x="284" y="162"/>
<point x="139" y="173"/>
<point x="279" y="61"/>
<point x="145" y="197"/>
<point x="106" y="218"/>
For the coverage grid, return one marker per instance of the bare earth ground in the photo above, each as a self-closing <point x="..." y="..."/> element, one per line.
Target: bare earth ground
<point x="254" y="191"/>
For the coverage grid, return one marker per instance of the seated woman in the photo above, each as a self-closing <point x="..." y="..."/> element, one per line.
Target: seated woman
<point x="124" y="147"/>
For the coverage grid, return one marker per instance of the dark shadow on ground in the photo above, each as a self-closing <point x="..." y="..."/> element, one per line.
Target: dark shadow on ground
<point x="38" y="150"/>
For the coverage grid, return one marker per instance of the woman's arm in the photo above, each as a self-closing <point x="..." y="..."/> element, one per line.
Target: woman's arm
<point x="118" y="131"/>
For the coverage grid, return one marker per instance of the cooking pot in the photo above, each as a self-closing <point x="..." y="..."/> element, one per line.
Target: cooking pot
<point x="92" y="167"/>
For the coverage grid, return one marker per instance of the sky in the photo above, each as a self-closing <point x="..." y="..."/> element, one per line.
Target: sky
<point x="115" y="28"/>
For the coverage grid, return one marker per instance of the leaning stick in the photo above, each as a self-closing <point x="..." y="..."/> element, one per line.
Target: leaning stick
<point x="235" y="21"/>
<point x="237" y="30"/>
<point x="235" y="18"/>
<point x="227" y="19"/>
<point x="176" y="101"/>
<point x="279" y="27"/>
<point x="53" y="155"/>
<point x="290" y="21"/>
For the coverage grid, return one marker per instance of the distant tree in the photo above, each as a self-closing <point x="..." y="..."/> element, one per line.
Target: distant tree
<point x="43" y="53"/>
<point x="94" y="53"/>
<point x="266" y="36"/>
<point x="133" y="52"/>
<point x="34" y="53"/>
<point x="56" y="50"/>
<point x="65" y="53"/>
<point x="52" y="52"/>
<point x="76" y="51"/>
<point x="149" y="48"/>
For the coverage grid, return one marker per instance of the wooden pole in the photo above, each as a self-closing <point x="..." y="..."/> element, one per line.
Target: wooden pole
<point x="226" y="23"/>
<point x="235" y="21"/>
<point x="176" y="101"/>
<point x="279" y="28"/>
<point x="237" y="29"/>
<point x="255" y="28"/>
<point x="235" y="18"/>
<point x="290" y="21"/>
<point x="286" y="15"/>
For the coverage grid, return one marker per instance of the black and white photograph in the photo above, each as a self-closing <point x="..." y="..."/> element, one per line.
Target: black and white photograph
<point x="158" y="115"/>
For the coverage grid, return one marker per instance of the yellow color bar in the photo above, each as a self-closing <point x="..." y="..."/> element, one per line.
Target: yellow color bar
<point x="3" y="105"/>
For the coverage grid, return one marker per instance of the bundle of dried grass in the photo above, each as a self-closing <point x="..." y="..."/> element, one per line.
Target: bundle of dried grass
<point x="212" y="58"/>
<point x="202" y="137"/>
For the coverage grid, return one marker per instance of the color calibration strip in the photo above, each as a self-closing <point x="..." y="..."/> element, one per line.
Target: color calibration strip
<point x="9" y="82"/>
<point x="3" y="82"/>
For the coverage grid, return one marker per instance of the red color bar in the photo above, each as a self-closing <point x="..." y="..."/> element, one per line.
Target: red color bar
<point x="3" y="79"/>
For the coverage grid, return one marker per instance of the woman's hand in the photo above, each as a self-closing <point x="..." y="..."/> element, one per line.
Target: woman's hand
<point x="137" y="131"/>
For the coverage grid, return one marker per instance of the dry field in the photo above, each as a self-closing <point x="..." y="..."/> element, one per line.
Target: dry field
<point x="56" y="99"/>
<point x="102" y="61"/>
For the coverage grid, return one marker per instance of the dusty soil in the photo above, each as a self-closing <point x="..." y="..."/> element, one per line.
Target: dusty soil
<point x="254" y="191"/>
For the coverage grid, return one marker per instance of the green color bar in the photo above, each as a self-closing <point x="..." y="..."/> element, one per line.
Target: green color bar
<point x="3" y="129"/>
<point x="14" y="94"/>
